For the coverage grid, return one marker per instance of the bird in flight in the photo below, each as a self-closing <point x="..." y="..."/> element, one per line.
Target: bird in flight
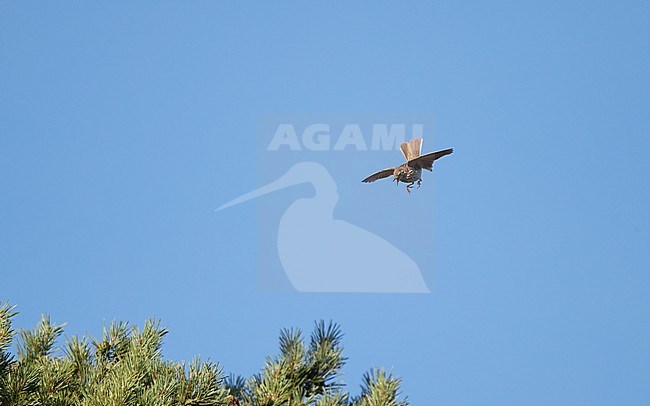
<point x="410" y="172"/>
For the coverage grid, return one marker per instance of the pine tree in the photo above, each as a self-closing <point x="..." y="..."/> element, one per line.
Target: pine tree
<point x="125" y="367"/>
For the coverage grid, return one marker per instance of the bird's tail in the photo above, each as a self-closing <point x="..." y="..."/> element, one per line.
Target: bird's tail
<point x="411" y="149"/>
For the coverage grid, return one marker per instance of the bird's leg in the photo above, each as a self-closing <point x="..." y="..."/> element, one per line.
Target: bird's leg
<point x="419" y="183"/>
<point x="409" y="186"/>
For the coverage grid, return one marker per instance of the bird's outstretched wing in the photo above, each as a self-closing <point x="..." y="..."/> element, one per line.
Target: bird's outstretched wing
<point x="379" y="175"/>
<point x="426" y="161"/>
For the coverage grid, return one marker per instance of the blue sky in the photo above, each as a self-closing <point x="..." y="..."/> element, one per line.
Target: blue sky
<point x="123" y="126"/>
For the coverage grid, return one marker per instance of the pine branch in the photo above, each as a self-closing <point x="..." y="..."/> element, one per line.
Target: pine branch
<point x="125" y="367"/>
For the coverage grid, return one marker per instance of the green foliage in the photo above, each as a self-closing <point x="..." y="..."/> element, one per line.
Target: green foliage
<point x="380" y="389"/>
<point x="6" y="334"/>
<point x="125" y="367"/>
